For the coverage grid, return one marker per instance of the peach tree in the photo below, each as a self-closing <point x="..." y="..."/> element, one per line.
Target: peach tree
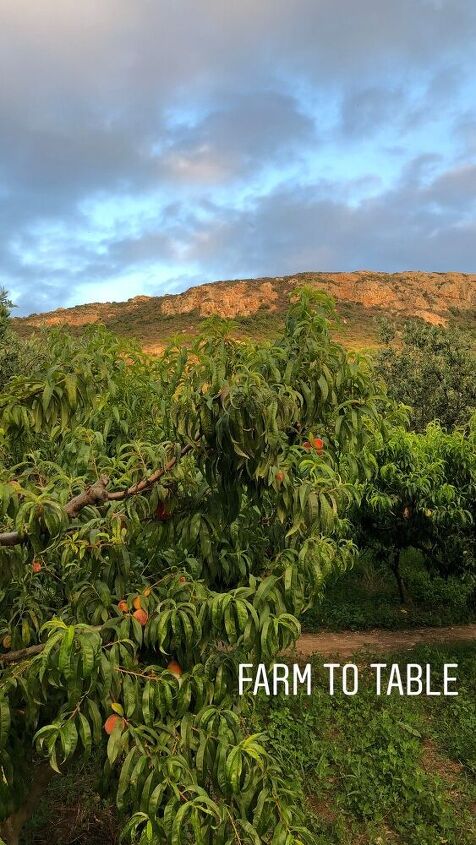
<point x="431" y="368"/>
<point x="422" y="495"/>
<point x="161" y="521"/>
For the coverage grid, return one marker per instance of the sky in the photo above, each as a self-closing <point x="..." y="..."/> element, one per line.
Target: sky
<point x="150" y="145"/>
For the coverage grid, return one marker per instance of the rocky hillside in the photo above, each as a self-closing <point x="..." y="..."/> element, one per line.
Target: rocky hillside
<point x="257" y="305"/>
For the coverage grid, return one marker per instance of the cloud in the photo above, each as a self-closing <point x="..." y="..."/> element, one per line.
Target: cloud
<point x="411" y="226"/>
<point x="145" y="139"/>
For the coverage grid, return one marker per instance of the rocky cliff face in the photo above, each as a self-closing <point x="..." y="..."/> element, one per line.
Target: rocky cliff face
<point x="432" y="296"/>
<point x="427" y="295"/>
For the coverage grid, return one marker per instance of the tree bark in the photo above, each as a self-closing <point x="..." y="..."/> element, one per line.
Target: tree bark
<point x="32" y="650"/>
<point x="11" y="828"/>
<point x="15" y="656"/>
<point x="395" y="567"/>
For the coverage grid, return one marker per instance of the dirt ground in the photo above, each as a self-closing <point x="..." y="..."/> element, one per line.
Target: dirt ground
<point x="347" y="643"/>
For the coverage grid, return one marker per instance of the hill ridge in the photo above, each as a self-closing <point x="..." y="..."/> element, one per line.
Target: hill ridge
<point x="433" y="296"/>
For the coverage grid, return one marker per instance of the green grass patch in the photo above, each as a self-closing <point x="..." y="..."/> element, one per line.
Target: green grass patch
<point x="377" y="770"/>
<point x="367" y="597"/>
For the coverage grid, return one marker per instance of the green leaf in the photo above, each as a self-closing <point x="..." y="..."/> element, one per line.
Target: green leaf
<point x="4" y="722"/>
<point x="114" y="743"/>
<point x="85" y="733"/>
<point x="324" y="387"/>
<point x="64" y="656"/>
<point x="69" y="739"/>
<point x="123" y="784"/>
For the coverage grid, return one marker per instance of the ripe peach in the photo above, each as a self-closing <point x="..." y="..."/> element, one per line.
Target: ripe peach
<point x="123" y="606"/>
<point x="111" y="723"/>
<point x="280" y="476"/>
<point x="36" y="566"/>
<point x="161" y="512"/>
<point x="319" y="444"/>
<point x="141" y="616"/>
<point x="175" y="668"/>
<point x="137" y="603"/>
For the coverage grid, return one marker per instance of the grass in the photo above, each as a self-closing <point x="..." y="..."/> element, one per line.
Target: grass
<point x="380" y="770"/>
<point x="367" y="597"/>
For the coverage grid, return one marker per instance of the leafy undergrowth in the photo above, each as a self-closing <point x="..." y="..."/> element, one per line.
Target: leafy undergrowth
<point x="381" y="770"/>
<point x="367" y="597"/>
<point x="373" y="771"/>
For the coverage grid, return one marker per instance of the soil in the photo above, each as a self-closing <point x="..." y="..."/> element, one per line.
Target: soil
<point x="347" y="643"/>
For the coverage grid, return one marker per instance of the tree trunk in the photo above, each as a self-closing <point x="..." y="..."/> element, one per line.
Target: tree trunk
<point x="8" y="834"/>
<point x="395" y="567"/>
<point x="11" y="828"/>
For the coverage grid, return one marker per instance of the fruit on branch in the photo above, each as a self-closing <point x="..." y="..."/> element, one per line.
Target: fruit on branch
<point x="7" y="641"/>
<point x="147" y="591"/>
<point x="112" y="721"/>
<point x="136" y="603"/>
<point x="36" y="566"/>
<point x="280" y="476"/>
<point x="317" y="444"/>
<point x="123" y="606"/>
<point x="141" y="616"/>
<point x="161" y="513"/>
<point x="182" y="579"/>
<point x="175" y="668"/>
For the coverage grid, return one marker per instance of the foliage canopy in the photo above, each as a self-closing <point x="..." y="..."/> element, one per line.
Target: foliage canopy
<point x="161" y="519"/>
<point x="423" y="495"/>
<point x="432" y="369"/>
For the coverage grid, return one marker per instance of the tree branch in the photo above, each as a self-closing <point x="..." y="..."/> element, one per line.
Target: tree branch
<point x="97" y="494"/>
<point x="147" y="483"/>
<point x="15" y="656"/>
<point x="32" y="650"/>
<point x="10" y="538"/>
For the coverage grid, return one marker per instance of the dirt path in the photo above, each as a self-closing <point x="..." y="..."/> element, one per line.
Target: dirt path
<point x="347" y="643"/>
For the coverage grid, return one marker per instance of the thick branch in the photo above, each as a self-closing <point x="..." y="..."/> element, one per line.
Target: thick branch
<point x="32" y="650"/>
<point x="10" y="538"/>
<point x="15" y="656"/>
<point x="147" y="483"/>
<point x="97" y="494"/>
